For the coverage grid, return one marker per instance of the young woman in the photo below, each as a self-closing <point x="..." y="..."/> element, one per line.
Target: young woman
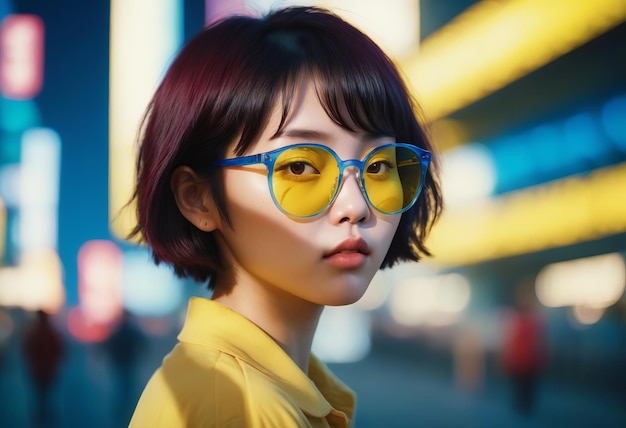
<point x="282" y="163"/>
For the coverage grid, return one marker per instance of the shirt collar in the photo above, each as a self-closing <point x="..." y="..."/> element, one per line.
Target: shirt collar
<point x="211" y="324"/>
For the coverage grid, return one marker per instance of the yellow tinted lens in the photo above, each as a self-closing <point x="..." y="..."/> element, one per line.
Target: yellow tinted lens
<point x="392" y="178"/>
<point x="304" y="180"/>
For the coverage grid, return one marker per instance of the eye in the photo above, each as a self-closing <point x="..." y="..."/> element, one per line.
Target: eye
<point x="300" y="164"/>
<point x="297" y="171"/>
<point x="300" y="168"/>
<point x="380" y="167"/>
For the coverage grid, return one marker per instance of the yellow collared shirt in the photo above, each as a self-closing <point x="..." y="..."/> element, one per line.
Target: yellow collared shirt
<point x="227" y="372"/>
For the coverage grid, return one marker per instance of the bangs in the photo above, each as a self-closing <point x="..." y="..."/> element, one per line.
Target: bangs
<point x="361" y="95"/>
<point x="363" y="105"/>
<point x="355" y="109"/>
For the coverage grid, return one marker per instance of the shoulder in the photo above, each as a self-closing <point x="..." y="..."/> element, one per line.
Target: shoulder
<point x="200" y="386"/>
<point x="187" y="390"/>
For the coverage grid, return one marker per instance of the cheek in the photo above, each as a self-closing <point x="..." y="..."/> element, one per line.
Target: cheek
<point x="260" y="230"/>
<point x="267" y="249"/>
<point x="248" y="183"/>
<point x="383" y="233"/>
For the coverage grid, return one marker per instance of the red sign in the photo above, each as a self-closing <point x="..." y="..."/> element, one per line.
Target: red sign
<point x="21" y="56"/>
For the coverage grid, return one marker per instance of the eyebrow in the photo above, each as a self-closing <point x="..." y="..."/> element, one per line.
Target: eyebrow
<point x="316" y="135"/>
<point x="306" y="134"/>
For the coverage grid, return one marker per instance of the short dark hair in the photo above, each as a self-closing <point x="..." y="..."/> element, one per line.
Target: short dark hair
<point x="224" y="84"/>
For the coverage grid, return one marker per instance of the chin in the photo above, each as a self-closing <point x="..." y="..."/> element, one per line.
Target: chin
<point x="345" y="302"/>
<point x="346" y="296"/>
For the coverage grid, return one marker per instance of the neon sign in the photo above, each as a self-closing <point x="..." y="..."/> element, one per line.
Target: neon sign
<point x="21" y="56"/>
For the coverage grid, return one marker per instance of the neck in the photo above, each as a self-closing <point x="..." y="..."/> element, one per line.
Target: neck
<point x="290" y="321"/>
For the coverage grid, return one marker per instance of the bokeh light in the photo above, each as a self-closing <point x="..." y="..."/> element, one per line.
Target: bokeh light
<point x="593" y="282"/>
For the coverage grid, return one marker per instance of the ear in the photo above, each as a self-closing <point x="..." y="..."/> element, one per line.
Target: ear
<point x="194" y="199"/>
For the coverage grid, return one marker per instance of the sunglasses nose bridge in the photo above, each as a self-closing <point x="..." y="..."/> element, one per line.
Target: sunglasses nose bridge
<point x="357" y="166"/>
<point x="350" y="163"/>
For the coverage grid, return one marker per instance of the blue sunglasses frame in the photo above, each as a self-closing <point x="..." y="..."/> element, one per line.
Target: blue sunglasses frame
<point x="269" y="159"/>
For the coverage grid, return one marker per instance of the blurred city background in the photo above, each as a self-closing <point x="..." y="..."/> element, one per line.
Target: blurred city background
<point x="518" y="320"/>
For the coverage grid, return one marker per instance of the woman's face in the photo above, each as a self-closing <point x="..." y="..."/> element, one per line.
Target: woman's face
<point x="328" y="259"/>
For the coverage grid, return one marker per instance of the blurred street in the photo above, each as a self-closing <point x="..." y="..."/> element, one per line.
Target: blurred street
<point x="528" y="117"/>
<point x="393" y="391"/>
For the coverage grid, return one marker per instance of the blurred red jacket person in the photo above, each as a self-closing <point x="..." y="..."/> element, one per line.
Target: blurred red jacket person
<point x="524" y="350"/>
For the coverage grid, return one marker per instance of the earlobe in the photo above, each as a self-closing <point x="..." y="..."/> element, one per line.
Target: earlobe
<point x="193" y="198"/>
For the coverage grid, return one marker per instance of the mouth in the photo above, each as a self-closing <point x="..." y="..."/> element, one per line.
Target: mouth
<point x="352" y="249"/>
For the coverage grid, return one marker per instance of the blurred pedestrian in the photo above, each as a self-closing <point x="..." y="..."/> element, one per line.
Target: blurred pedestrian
<point x="6" y="331"/>
<point x="124" y="349"/>
<point x="469" y="358"/>
<point x="525" y="350"/>
<point x="43" y="349"/>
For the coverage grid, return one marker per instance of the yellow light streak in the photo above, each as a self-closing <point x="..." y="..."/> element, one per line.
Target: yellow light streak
<point x="561" y="213"/>
<point x="144" y="36"/>
<point x="494" y="43"/>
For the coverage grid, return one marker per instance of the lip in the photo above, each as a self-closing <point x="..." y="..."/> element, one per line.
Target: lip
<point x="350" y="245"/>
<point x="349" y="254"/>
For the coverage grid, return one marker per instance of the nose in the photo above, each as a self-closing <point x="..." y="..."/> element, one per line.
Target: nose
<point x="350" y="204"/>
